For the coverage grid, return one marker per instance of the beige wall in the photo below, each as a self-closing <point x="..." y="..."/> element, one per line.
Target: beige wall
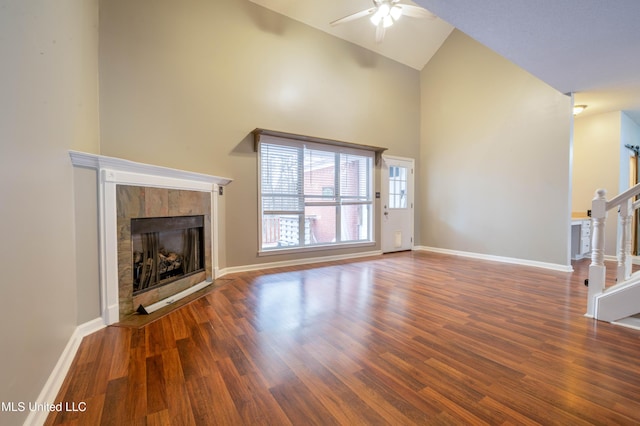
<point x="597" y="164"/>
<point x="182" y="84"/>
<point x="494" y="157"/>
<point x="49" y="104"/>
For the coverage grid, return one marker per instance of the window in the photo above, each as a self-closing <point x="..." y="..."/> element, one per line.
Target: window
<point x="313" y="194"/>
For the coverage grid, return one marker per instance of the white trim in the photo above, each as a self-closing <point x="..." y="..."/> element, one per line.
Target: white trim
<point x="102" y="162"/>
<point x="635" y="260"/>
<point x="56" y="378"/>
<point x="214" y="232"/>
<point x="109" y="251"/>
<point x="296" y="262"/>
<point x="569" y="194"/>
<point x="319" y="247"/>
<point x="629" y="322"/>
<point x="512" y="260"/>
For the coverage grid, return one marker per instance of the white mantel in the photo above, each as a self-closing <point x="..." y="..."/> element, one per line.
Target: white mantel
<point x="102" y="162"/>
<point x="115" y="171"/>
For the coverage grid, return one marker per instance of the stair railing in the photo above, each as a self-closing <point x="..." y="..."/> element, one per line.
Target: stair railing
<point x="597" y="270"/>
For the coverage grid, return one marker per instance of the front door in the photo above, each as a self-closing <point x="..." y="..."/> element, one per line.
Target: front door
<point x="397" y="203"/>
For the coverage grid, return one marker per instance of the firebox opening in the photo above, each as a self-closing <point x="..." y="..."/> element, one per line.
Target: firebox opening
<point x="166" y="249"/>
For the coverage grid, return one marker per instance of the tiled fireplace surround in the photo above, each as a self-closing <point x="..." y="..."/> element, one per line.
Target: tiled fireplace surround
<point x="135" y="202"/>
<point x="130" y="190"/>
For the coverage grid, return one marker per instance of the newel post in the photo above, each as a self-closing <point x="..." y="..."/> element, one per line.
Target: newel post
<point x="624" y="248"/>
<point x="597" y="270"/>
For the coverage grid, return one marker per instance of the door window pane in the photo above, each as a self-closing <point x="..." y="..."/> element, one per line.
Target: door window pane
<point x="397" y="187"/>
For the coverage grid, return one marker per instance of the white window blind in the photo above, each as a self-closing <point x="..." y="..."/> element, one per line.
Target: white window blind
<point x="313" y="194"/>
<point x="281" y="177"/>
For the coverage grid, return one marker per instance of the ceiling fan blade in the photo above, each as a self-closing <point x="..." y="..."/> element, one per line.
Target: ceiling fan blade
<point x="380" y="30"/>
<point x="353" y="16"/>
<point x="415" y="11"/>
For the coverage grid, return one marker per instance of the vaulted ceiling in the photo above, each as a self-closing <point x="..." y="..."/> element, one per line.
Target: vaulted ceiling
<point x="588" y="47"/>
<point x="411" y="42"/>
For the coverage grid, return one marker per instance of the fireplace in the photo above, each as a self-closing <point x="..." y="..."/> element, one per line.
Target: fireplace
<point x="129" y="191"/>
<point x="166" y="249"/>
<point x="164" y="244"/>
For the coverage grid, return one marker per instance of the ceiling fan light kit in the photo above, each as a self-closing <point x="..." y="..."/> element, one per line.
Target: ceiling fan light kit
<point x="384" y="14"/>
<point x="387" y="14"/>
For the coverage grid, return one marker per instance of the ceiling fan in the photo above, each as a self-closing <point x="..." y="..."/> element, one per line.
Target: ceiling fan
<point x="385" y="13"/>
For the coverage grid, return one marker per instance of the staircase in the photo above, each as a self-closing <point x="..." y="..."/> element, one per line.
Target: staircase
<point x="618" y="303"/>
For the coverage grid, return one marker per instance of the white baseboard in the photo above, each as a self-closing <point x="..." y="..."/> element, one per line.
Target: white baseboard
<point x="112" y="314"/>
<point x="296" y="262"/>
<point x="307" y="261"/>
<point x="512" y="260"/>
<point x="635" y="260"/>
<point x="56" y="378"/>
<point x="630" y="322"/>
<point x="609" y="258"/>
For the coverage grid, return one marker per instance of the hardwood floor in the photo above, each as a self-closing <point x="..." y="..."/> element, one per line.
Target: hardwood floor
<point x="406" y="338"/>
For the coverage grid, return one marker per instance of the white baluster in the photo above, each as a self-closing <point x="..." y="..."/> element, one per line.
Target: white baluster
<point x="624" y="247"/>
<point x="629" y="242"/>
<point x="597" y="269"/>
<point x="598" y="215"/>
